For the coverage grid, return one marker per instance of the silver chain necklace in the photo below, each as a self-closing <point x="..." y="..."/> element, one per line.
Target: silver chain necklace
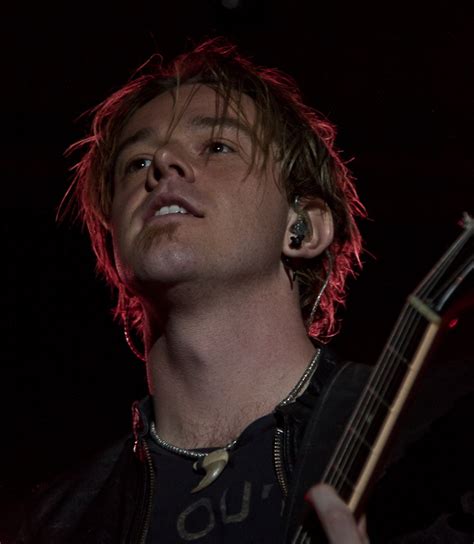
<point x="214" y="462"/>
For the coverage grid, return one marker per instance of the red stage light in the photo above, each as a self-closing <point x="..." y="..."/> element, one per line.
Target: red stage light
<point x="453" y="323"/>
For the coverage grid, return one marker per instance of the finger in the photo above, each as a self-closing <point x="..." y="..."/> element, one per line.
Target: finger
<point x="362" y="527"/>
<point x="336" y="518"/>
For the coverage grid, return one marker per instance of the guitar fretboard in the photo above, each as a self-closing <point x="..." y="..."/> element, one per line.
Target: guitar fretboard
<point x="377" y="403"/>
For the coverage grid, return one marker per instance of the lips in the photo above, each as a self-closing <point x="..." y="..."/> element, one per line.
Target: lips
<point x="166" y="203"/>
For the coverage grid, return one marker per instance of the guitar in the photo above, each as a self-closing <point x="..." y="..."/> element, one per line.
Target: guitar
<point x="364" y="443"/>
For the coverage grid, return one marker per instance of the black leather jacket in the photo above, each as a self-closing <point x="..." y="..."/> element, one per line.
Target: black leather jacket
<point x="109" y="501"/>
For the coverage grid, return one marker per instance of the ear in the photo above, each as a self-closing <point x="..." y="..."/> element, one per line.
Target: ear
<point x="320" y="232"/>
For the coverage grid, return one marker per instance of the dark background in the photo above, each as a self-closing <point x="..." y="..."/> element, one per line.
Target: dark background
<point x="395" y="78"/>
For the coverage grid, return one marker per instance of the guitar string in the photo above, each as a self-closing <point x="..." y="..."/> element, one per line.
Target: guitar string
<point x="433" y="283"/>
<point x="346" y="455"/>
<point x="352" y="437"/>
<point x="453" y="252"/>
<point x="449" y="286"/>
<point x="390" y="367"/>
<point x="351" y="441"/>
<point x="433" y="276"/>
<point x="438" y="269"/>
<point x="371" y="406"/>
<point x="406" y="308"/>
<point x="338" y="471"/>
<point x="356" y="432"/>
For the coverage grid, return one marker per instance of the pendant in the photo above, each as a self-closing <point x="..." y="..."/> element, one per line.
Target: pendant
<point x="212" y="464"/>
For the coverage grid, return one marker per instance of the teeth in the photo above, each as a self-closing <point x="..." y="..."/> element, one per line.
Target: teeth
<point x="166" y="210"/>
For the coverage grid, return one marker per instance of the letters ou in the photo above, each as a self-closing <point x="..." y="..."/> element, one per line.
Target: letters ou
<point x="187" y="535"/>
<point x="209" y="521"/>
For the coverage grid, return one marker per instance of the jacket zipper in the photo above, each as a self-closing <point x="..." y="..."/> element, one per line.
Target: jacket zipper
<point x="282" y="434"/>
<point x="150" y="476"/>
<point x="278" y="460"/>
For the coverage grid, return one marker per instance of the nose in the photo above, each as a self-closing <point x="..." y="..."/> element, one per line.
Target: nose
<point x="169" y="164"/>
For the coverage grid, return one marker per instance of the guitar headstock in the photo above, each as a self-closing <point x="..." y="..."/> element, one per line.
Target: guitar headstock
<point x="466" y="222"/>
<point x="437" y="289"/>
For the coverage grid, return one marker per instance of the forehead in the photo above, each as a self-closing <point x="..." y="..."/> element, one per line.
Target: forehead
<point x="182" y="105"/>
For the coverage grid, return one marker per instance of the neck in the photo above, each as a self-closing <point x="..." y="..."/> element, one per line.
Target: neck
<point x="219" y="365"/>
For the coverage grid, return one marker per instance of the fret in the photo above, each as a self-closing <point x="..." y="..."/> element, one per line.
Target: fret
<point x="368" y="419"/>
<point x="424" y="310"/>
<point x="385" y="381"/>
<point x="374" y="407"/>
<point x="359" y="437"/>
<point x="341" y="481"/>
<point x="342" y="474"/>
<point x="373" y="420"/>
<point x="391" y="349"/>
<point x="404" y="340"/>
<point x="380" y="399"/>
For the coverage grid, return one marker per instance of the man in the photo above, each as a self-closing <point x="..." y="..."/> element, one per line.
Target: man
<point x="220" y="211"/>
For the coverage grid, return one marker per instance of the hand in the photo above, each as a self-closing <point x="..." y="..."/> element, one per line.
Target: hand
<point x="337" y="520"/>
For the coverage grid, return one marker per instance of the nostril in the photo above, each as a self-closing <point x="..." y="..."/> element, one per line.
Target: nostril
<point x="178" y="169"/>
<point x="157" y="173"/>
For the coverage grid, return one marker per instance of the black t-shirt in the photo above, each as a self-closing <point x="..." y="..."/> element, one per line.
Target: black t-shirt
<point x="243" y="505"/>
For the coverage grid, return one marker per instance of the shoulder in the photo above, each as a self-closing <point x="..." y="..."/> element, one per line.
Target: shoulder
<point x="61" y="501"/>
<point x="334" y="373"/>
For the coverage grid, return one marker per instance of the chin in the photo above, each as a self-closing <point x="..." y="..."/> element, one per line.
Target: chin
<point x="166" y="266"/>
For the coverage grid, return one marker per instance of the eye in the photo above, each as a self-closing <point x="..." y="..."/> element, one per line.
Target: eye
<point x="218" y="147"/>
<point x="136" y="165"/>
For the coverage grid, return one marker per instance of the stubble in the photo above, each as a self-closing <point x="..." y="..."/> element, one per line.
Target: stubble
<point x="153" y="234"/>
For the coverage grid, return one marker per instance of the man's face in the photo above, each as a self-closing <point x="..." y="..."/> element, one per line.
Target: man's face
<point x="234" y="222"/>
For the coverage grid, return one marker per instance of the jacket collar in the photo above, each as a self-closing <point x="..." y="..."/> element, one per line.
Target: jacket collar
<point x="142" y="416"/>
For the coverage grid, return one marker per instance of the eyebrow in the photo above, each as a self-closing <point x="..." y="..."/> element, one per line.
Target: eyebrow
<point x="202" y="121"/>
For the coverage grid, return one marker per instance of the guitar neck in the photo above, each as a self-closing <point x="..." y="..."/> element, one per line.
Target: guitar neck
<point x="361" y="448"/>
<point x="365" y="439"/>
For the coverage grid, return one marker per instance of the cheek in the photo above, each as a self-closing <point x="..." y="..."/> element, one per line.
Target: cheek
<point x="272" y="208"/>
<point x="116" y="220"/>
<point x="262" y="220"/>
<point x="121" y="227"/>
<point x="125" y="201"/>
